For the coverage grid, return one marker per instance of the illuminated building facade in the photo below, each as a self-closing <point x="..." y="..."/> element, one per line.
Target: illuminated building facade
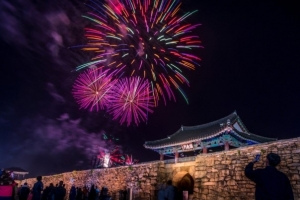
<point x="223" y="134"/>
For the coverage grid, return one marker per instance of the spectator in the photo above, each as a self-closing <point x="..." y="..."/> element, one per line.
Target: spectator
<point x="45" y="193"/>
<point x="15" y="190"/>
<point x="37" y="189"/>
<point x="97" y="193"/>
<point x="24" y="192"/>
<point x="92" y="193"/>
<point x="161" y="192"/>
<point x="72" y="194"/>
<point x="85" y="193"/>
<point x="51" y="192"/>
<point x="170" y="191"/>
<point x="79" y="195"/>
<point x="125" y="194"/>
<point x="30" y="195"/>
<point x="60" y="191"/>
<point x="270" y="183"/>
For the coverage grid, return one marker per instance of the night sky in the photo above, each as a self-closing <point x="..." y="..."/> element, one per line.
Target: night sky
<point x="250" y="64"/>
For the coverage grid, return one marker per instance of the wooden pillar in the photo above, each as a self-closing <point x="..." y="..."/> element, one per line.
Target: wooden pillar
<point x="226" y="146"/>
<point x="161" y="156"/>
<point x="176" y="156"/>
<point x="204" y="150"/>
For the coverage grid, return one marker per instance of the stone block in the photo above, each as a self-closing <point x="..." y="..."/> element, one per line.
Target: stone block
<point x="231" y="182"/>
<point x="293" y="164"/>
<point x="210" y="162"/>
<point x="202" y="168"/>
<point x="209" y="183"/>
<point x="226" y="162"/>
<point x="200" y="174"/>
<point x="296" y="151"/>
<point x="204" y="191"/>
<point x="295" y="177"/>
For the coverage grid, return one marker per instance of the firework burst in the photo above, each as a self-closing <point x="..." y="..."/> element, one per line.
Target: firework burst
<point x="91" y="89"/>
<point x="144" y="38"/>
<point x="131" y="100"/>
<point x="110" y="158"/>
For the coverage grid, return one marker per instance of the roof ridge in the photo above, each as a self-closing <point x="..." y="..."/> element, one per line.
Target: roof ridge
<point x="210" y="123"/>
<point x="248" y="133"/>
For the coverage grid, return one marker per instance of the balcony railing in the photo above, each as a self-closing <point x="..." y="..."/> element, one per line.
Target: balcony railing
<point x="180" y="160"/>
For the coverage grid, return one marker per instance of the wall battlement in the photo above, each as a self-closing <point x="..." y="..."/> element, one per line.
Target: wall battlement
<point x="217" y="175"/>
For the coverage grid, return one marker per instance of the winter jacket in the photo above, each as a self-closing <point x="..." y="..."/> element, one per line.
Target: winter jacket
<point x="59" y="193"/>
<point x="24" y="192"/>
<point x="271" y="184"/>
<point x="37" y="190"/>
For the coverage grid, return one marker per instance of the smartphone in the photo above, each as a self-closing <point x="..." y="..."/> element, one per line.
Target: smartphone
<point x="257" y="157"/>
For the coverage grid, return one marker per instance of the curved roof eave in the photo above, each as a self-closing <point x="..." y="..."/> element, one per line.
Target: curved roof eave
<point x="166" y="143"/>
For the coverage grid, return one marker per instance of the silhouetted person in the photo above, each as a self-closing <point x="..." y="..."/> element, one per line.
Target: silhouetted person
<point x="271" y="184"/>
<point x="170" y="191"/>
<point x="24" y="192"/>
<point x="97" y="192"/>
<point x="51" y="192"/>
<point x="103" y="193"/>
<point x="85" y="193"/>
<point x="37" y="189"/>
<point x="45" y="193"/>
<point x="125" y="194"/>
<point x="72" y="194"/>
<point x="92" y="193"/>
<point x="79" y="194"/>
<point x="60" y="191"/>
<point x="161" y="192"/>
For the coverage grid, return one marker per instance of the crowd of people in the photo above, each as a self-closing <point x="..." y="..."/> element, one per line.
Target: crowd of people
<point x="51" y="192"/>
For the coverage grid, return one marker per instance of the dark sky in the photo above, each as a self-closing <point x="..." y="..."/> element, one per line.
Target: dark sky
<point x="250" y="64"/>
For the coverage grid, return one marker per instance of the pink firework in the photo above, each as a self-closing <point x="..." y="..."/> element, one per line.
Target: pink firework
<point x="131" y="100"/>
<point x="110" y="158"/>
<point x="91" y="89"/>
<point x="129" y="160"/>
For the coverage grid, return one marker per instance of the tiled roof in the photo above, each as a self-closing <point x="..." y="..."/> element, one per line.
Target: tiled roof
<point x="254" y="137"/>
<point x="205" y="131"/>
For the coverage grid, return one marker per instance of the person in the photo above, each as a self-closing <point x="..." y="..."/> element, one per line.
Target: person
<point x="72" y="194"/>
<point x="15" y="190"/>
<point x="271" y="183"/>
<point x="170" y="191"/>
<point x="37" y="189"/>
<point x="125" y="194"/>
<point x="45" y="193"/>
<point x="85" y="193"/>
<point x="79" y="194"/>
<point x="24" y="192"/>
<point x="92" y="193"/>
<point x="30" y="195"/>
<point x="97" y="193"/>
<point x="161" y="192"/>
<point x="60" y="191"/>
<point x="51" y="192"/>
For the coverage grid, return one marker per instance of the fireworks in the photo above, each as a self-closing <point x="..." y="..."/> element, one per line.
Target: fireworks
<point x="110" y="158"/>
<point x="132" y="100"/>
<point x="129" y="160"/>
<point x="146" y="39"/>
<point x="91" y="89"/>
<point x="143" y="45"/>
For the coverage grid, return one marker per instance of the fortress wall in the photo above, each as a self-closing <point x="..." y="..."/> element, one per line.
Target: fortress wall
<point x="221" y="175"/>
<point x="217" y="175"/>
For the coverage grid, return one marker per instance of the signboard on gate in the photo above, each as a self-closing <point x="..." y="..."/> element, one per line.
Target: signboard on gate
<point x="187" y="146"/>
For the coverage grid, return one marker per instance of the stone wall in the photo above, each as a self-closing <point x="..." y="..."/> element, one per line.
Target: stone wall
<point x="216" y="176"/>
<point x="221" y="175"/>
